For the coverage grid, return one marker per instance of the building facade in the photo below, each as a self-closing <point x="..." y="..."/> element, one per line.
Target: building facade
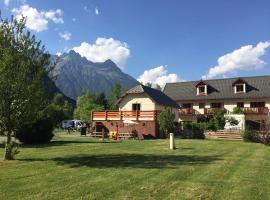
<point x="138" y="112"/>
<point x="199" y="99"/>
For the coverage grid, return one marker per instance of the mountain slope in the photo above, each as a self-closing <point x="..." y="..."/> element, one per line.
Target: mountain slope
<point x="76" y="74"/>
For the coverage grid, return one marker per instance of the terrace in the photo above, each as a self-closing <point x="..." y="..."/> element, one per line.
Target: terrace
<point x="257" y="110"/>
<point x="188" y="111"/>
<point x="124" y="115"/>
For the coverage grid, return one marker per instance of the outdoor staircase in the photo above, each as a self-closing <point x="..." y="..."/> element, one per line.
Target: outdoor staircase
<point x="224" y="135"/>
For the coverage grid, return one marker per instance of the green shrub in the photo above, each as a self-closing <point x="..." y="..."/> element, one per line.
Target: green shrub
<point x="265" y="138"/>
<point x="36" y="133"/>
<point x="166" y="121"/>
<point x="194" y="130"/>
<point x="237" y="110"/>
<point x="250" y="135"/>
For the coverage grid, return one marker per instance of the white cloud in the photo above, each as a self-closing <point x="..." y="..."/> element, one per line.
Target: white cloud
<point x="66" y="35"/>
<point x="6" y="2"/>
<point x="244" y="58"/>
<point x="58" y="53"/>
<point x="158" y="75"/>
<point x="54" y="15"/>
<point x="36" y="20"/>
<point x="96" y="11"/>
<point x="104" y="49"/>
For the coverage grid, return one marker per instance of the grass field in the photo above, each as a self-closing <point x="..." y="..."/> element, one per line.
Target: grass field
<point x="85" y="168"/>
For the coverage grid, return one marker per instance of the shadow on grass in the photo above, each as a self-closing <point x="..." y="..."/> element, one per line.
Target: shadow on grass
<point x="134" y="160"/>
<point x="131" y="160"/>
<point x="63" y="143"/>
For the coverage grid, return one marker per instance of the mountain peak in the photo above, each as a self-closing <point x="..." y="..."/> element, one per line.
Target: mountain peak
<point x="76" y="73"/>
<point x="109" y="61"/>
<point x="73" y="53"/>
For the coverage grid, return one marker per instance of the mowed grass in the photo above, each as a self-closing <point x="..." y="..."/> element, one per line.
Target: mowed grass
<point x="86" y="168"/>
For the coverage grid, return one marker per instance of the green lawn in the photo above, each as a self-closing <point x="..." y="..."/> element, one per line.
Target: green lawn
<point x="85" y="168"/>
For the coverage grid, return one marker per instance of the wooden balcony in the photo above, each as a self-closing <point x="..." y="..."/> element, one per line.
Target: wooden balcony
<point x="258" y="110"/>
<point x="210" y="111"/>
<point x="188" y="111"/>
<point x="124" y="115"/>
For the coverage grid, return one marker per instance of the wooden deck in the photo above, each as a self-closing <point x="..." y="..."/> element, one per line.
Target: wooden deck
<point x="258" y="110"/>
<point x="124" y="115"/>
<point x="224" y="135"/>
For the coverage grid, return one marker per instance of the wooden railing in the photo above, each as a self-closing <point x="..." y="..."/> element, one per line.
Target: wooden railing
<point x="188" y="111"/>
<point x="122" y="115"/>
<point x="259" y="110"/>
<point x="210" y="111"/>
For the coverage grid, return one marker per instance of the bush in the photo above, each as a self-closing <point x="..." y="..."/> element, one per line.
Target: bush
<point x="237" y="110"/>
<point x="266" y="138"/>
<point x="166" y="121"/>
<point x="250" y="135"/>
<point x="194" y="130"/>
<point x="36" y="133"/>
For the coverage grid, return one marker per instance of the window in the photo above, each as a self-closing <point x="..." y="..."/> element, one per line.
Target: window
<point x="239" y="88"/>
<point x="136" y="107"/>
<point x="201" y="89"/>
<point x="240" y="104"/>
<point x="216" y="105"/>
<point x="201" y="105"/>
<point x="257" y="104"/>
<point x="187" y="105"/>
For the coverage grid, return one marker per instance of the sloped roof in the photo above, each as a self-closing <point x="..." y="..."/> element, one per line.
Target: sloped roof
<point x="256" y="87"/>
<point x="156" y="95"/>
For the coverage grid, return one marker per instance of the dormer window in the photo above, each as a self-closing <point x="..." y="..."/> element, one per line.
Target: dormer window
<point x="201" y="88"/>
<point x="239" y="86"/>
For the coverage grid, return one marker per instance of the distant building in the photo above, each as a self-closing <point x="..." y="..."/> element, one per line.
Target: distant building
<point x="193" y="101"/>
<point x="198" y="99"/>
<point x="138" y="111"/>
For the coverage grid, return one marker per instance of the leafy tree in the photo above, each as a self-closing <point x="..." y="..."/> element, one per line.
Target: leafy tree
<point x="23" y="68"/>
<point x="115" y="94"/>
<point x="85" y="105"/>
<point x="158" y="87"/>
<point x="59" y="100"/>
<point x="166" y="121"/>
<point x="218" y="121"/>
<point x="100" y="99"/>
<point x="58" y="110"/>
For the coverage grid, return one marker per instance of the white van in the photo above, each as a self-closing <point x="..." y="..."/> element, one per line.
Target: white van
<point x="72" y="124"/>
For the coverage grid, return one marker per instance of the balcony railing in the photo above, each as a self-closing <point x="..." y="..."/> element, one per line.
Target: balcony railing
<point x="210" y="111"/>
<point x="122" y="115"/>
<point x="188" y="111"/>
<point x="258" y="110"/>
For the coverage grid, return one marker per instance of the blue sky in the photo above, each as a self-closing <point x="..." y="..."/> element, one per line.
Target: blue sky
<point x="158" y="41"/>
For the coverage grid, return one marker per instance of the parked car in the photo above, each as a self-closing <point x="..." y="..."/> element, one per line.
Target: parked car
<point x="72" y="124"/>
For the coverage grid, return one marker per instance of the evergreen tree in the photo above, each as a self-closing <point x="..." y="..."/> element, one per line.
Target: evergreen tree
<point x="115" y="95"/>
<point x="166" y="121"/>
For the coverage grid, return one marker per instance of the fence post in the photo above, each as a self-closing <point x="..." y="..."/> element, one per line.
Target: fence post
<point x="172" y="141"/>
<point x="103" y="134"/>
<point x="106" y="115"/>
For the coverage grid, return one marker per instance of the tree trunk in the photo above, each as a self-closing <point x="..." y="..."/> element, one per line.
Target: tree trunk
<point x="8" y="148"/>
